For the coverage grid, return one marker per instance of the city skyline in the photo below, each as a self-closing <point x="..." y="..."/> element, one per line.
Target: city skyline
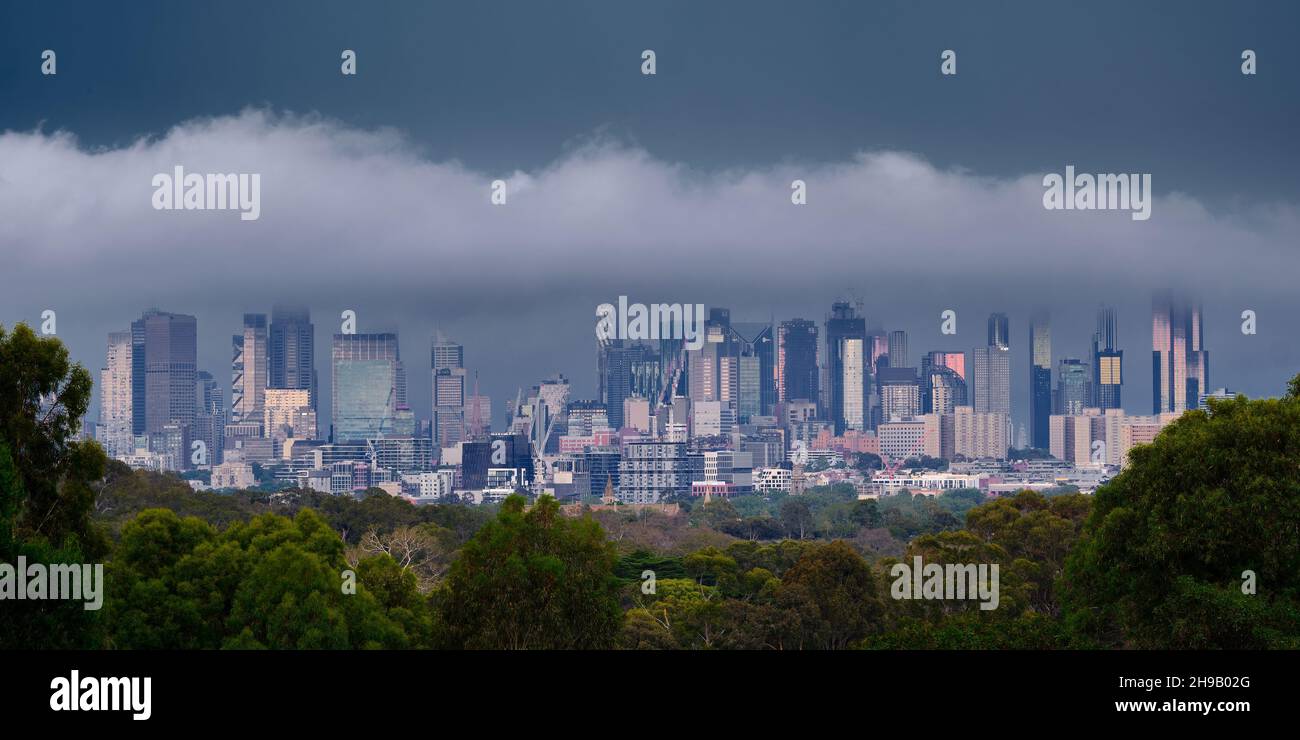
<point x="448" y="357"/>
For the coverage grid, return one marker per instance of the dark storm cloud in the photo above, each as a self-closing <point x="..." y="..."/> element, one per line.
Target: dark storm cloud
<point x="366" y="220"/>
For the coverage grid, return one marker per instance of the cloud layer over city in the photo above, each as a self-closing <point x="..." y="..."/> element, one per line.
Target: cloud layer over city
<point x="354" y="217"/>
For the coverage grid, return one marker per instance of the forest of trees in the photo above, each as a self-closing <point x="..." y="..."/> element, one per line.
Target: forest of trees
<point x="1193" y="545"/>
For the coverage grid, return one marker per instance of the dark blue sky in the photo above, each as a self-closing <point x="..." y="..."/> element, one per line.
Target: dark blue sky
<point x="503" y="85"/>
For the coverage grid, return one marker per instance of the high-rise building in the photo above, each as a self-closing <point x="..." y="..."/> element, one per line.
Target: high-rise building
<point x="248" y="370"/>
<point x="447" y="361"/>
<point x="1040" y="380"/>
<point x="898" y="349"/>
<point x="115" y="396"/>
<point x="618" y="361"/>
<point x="1180" y="364"/>
<point x="977" y="434"/>
<point x="1072" y="387"/>
<point x="651" y="471"/>
<point x="291" y="350"/>
<point x="288" y="415"/>
<point x="992" y="370"/>
<point x="900" y="393"/>
<point x="999" y="331"/>
<point x="796" y="361"/>
<point x="210" y="417"/>
<point x="1107" y="362"/>
<point x="942" y="390"/>
<point x="164" y="371"/>
<point x="846" y="363"/>
<point x="368" y="386"/>
<point x="757" y="341"/>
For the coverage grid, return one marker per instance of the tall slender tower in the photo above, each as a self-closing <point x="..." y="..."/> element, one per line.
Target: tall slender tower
<point x="291" y="350"/>
<point x="248" y="370"/>
<point x="1040" y="380"/>
<point x="447" y="360"/>
<point x="115" y="395"/>
<point x="1180" y="364"/>
<point x="846" y="363"/>
<point x="164" y="372"/>
<point x="992" y="369"/>
<point x="796" y="361"/>
<point x="1107" y="362"/>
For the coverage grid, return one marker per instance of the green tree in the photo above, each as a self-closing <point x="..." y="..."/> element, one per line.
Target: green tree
<point x="834" y="593"/>
<point x="271" y="582"/>
<point x="796" y="517"/>
<point x="43" y="397"/>
<point x="532" y="580"/>
<point x="1165" y="550"/>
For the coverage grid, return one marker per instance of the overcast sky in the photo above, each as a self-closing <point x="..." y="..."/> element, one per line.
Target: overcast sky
<point x="924" y="192"/>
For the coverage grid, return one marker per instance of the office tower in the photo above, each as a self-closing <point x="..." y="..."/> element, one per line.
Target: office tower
<point x="999" y="331"/>
<point x="992" y="370"/>
<point x="757" y="341"/>
<point x="164" y="370"/>
<point x="447" y="363"/>
<point x="618" y="362"/>
<point x="942" y="390"/>
<point x="291" y="350"/>
<point x="943" y="383"/>
<point x="288" y="415"/>
<point x="955" y="361"/>
<point x="900" y="393"/>
<point x="846" y="362"/>
<point x="1107" y="362"/>
<point x="115" y="395"/>
<point x="647" y="375"/>
<point x="898" y="349"/>
<point x="796" y="361"/>
<point x="749" y="403"/>
<point x="248" y="370"/>
<point x="1180" y="364"/>
<point x="713" y="370"/>
<point x="1072" y="387"/>
<point x="367" y="393"/>
<point x="210" y="417"/>
<point x="1040" y="380"/>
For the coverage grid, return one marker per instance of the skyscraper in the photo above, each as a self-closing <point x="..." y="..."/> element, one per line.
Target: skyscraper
<point x="115" y="395"/>
<point x="999" y="331"/>
<point x="757" y="343"/>
<point x="796" y="361"/>
<point x="367" y="386"/>
<point x="164" y="370"/>
<point x="898" y="349"/>
<point x="1040" y="381"/>
<point x="1180" y="364"/>
<point x="248" y="370"/>
<point x="1107" y="362"/>
<point x="619" y="358"/>
<point x="291" y="351"/>
<point x="447" y="361"/>
<point x="1073" y="389"/>
<point x="900" y="393"/>
<point x="992" y="370"/>
<point x="846" y="362"/>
